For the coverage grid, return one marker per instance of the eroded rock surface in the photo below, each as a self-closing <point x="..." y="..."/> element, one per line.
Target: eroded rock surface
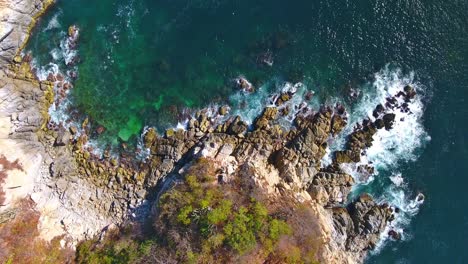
<point x="80" y="193"/>
<point x="17" y="18"/>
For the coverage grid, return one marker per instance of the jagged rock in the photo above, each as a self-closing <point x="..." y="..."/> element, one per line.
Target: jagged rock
<point x="276" y="159"/>
<point x="410" y="92"/>
<point x="379" y="123"/>
<point x="394" y="235"/>
<point x="338" y="123"/>
<point x="100" y="130"/>
<point x="269" y="113"/>
<point x="360" y="224"/>
<point x="223" y="110"/>
<point x="346" y="157"/>
<point x="150" y="137"/>
<point x="237" y="127"/>
<point x="63" y="137"/>
<point x="378" y="110"/>
<point x="388" y="120"/>
<point x="334" y="186"/>
<point x="284" y="97"/>
<point x="73" y="130"/>
<point x="85" y="123"/>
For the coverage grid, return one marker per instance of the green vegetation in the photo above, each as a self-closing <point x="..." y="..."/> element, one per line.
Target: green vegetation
<point x="114" y="250"/>
<point x="202" y="221"/>
<point x="201" y="206"/>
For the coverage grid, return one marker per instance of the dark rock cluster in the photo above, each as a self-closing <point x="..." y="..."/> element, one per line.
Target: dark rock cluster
<point x="296" y="154"/>
<point x="123" y="184"/>
<point x="360" y="224"/>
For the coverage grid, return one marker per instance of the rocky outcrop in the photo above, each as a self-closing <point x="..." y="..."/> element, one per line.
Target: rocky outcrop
<point x="79" y="192"/>
<point x="17" y="18"/>
<point x="49" y="174"/>
<point x="359" y="226"/>
<point x="362" y="136"/>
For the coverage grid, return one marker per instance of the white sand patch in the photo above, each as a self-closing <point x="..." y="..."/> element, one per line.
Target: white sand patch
<point x="19" y="183"/>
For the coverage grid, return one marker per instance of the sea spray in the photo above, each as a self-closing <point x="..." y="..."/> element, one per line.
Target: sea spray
<point x="54" y="21"/>
<point x="390" y="148"/>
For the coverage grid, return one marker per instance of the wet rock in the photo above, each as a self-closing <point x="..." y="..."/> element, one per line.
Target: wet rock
<point x="237" y="127"/>
<point x="338" y="123"/>
<point x="85" y="123"/>
<point x="243" y="84"/>
<point x="73" y="130"/>
<point x="100" y="130"/>
<point x="223" y="110"/>
<point x="269" y="113"/>
<point x="365" y="171"/>
<point x="388" y="120"/>
<point x="346" y="157"/>
<point x="150" y="137"/>
<point x="308" y="95"/>
<point x="410" y="92"/>
<point x="379" y="123"/>
<point x="420" y="197"/>
<point x="378" y="110"/>
<point x="283" y="98"/>
<point x="394" y="235"/>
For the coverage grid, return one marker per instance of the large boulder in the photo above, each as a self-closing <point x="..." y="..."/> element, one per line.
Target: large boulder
<point x="335" y="186"/>
<point x="270" y="113"/>
<point x="150" y="137"/>
<point x="358" y="226"/>
<point x="388" y="120"/>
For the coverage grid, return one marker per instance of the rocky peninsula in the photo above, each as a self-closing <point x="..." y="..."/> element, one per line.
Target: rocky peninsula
<point x="79" y="194"/>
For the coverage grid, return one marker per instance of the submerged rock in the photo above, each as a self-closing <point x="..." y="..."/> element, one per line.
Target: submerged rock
<point x="394" y="235"/>
<point x="94" y="189"/>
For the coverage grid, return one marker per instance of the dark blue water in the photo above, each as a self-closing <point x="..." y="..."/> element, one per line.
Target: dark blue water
<point x="142" y="62"/>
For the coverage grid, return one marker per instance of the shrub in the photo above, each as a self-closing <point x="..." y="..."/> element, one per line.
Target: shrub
<point x="20" y="241"/>
<point x="221" y="213"/>
<point x="278" y="228"/>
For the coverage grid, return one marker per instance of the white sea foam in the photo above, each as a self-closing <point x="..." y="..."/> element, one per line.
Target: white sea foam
<point x="68" y="53"/>
<point x="54" y="22"/>
<point x="408" y="134"/>
<point x="249" y="105"/>
<point x="43" y="71"/>
<point x="127" y="12"/>
<point x="56" y="54"/>
<point x="408" y="204"/>
<point x="397" y="179"/>
<point x="390" y="148"/>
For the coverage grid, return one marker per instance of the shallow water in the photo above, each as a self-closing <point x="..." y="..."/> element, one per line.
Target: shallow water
<point x="144" y="62"/>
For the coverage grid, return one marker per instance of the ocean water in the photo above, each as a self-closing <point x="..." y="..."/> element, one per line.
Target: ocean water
<point x="151" y="62"/>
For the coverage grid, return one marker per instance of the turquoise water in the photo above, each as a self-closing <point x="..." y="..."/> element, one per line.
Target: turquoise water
<point x="147" y="62"/>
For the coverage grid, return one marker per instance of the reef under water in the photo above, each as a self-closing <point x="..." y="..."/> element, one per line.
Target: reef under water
<point x="129" y="65"/>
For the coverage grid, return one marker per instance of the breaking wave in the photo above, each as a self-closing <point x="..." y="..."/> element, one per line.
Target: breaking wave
<point x="390" y="148"/>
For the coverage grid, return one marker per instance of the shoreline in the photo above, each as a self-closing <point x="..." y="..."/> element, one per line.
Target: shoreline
<point x="79" y="194"/>
<point x="24" y="115"/>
